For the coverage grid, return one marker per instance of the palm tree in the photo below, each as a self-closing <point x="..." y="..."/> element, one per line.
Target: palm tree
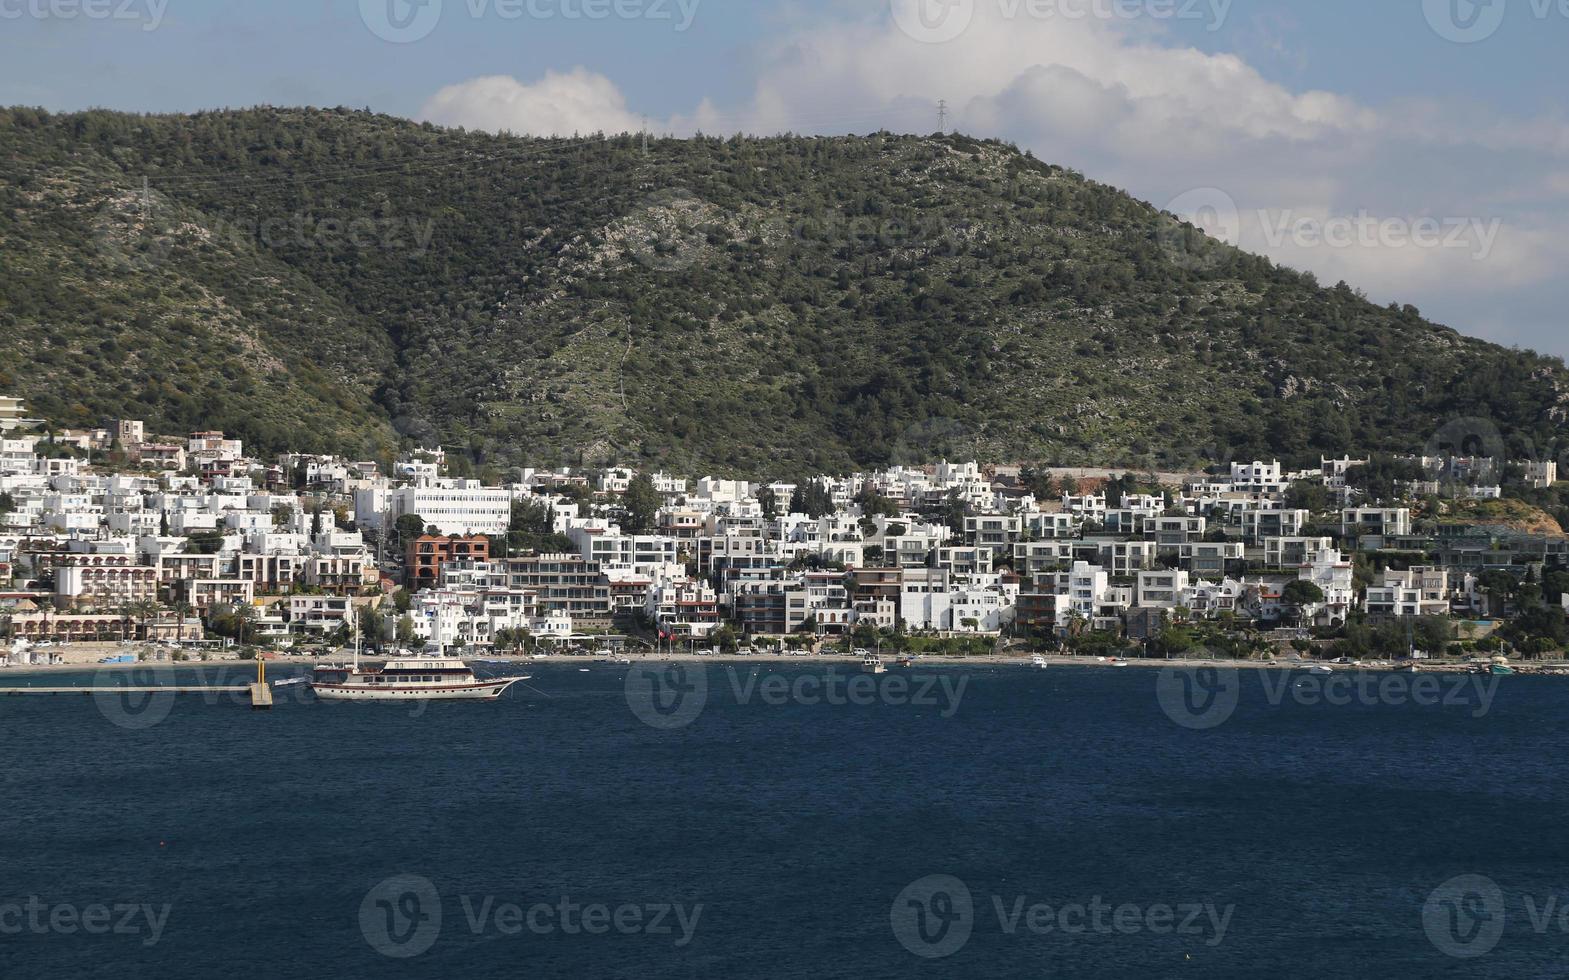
<point x="247" y="615"/>
<point x="143" y="610"/>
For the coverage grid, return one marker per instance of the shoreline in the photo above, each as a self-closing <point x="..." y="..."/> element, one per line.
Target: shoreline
<point x="1554" y="668"/>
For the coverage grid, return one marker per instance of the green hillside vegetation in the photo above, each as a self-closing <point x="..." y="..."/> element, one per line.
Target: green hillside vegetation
<point x="336" y="279"/>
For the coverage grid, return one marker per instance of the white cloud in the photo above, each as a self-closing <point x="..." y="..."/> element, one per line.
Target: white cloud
<point x="560" y="104"/>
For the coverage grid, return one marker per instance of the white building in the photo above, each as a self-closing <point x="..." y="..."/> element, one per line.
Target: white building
<point x="454" y="506"/>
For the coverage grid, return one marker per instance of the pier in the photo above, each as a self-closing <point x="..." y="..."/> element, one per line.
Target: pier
<point x="260" y="694"/>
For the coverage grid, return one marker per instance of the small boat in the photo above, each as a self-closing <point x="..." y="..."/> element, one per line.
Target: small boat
<point x="290" y="681"/>
<point x="873" y="664"/>
<point x="1118" y="662"/>
<point x="906" y="662"/>
<point x="1320" y="669"/>
<point x="1038" y="662"/>
<point x="1502" y="669"/>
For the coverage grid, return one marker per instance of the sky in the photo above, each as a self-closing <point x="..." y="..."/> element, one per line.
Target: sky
<point x="1417" y="149"/>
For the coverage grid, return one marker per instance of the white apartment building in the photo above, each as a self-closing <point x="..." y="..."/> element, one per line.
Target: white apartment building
<point x="1420" y="591"/>
<point x="1334" y="574"/>
<point x="1389" y="522"/>
<point x="1160" y="589"/>
<point x="1258" y="477"/>
<point x="454" y="506"/>
<point x="1294" y="551"/>
<point x="1087" y="589"/>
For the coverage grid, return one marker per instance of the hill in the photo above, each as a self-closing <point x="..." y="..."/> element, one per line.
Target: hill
<point x="337" y="279"/>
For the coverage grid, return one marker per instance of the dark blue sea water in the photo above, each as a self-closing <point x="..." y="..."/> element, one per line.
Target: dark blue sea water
<point x="556" y="834"/>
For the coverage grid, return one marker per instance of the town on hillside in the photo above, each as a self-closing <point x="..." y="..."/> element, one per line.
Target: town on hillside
<point x="182" y="548"/>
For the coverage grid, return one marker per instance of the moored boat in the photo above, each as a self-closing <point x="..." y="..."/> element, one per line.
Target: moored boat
<point x="873" y="664"/>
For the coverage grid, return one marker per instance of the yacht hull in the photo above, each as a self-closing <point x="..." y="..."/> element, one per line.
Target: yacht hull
<point x="477" y="691"/>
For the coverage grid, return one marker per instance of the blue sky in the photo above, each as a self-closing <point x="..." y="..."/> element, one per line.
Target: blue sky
<point x="1418" y="149"/>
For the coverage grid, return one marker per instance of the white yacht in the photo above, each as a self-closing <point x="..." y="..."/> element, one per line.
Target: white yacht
<point x="873" y="664"/>
<point x="408" y="679"/>
<point x="405" y="678"/>
<point x="1038" y="661"/>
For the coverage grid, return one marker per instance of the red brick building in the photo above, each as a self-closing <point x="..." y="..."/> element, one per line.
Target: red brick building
<point x="426" y="555"/>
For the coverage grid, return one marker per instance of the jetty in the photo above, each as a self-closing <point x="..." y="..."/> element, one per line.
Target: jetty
<point x="260" y="694"/>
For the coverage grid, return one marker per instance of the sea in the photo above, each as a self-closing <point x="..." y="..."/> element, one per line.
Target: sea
<point x="786" y="818"/>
